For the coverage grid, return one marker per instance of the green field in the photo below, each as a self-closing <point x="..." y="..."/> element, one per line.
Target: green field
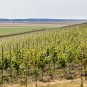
<point x="15" y="30"/>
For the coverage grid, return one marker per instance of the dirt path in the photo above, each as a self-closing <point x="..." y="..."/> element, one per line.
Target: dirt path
<point x="56" y="83"/>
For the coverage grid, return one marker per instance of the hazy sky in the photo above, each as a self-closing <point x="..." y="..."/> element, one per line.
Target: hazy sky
<point x="76" y="9"/>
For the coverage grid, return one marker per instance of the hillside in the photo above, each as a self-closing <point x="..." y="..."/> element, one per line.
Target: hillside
<point x="45" y="56"/>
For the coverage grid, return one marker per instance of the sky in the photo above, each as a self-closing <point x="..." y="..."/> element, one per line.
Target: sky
<point x="58" y="9"/>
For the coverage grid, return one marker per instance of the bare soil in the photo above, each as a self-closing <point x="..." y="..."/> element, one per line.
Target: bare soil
<point x="2" y="25"/>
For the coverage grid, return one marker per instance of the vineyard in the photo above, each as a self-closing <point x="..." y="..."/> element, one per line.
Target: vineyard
<point x="45" y="56"/>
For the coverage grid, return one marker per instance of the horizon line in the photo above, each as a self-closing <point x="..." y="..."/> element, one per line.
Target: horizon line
<point x="47" y="18"/>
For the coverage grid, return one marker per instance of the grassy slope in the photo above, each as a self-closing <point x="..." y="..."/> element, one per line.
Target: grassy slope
<point x="13" y="30"/>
